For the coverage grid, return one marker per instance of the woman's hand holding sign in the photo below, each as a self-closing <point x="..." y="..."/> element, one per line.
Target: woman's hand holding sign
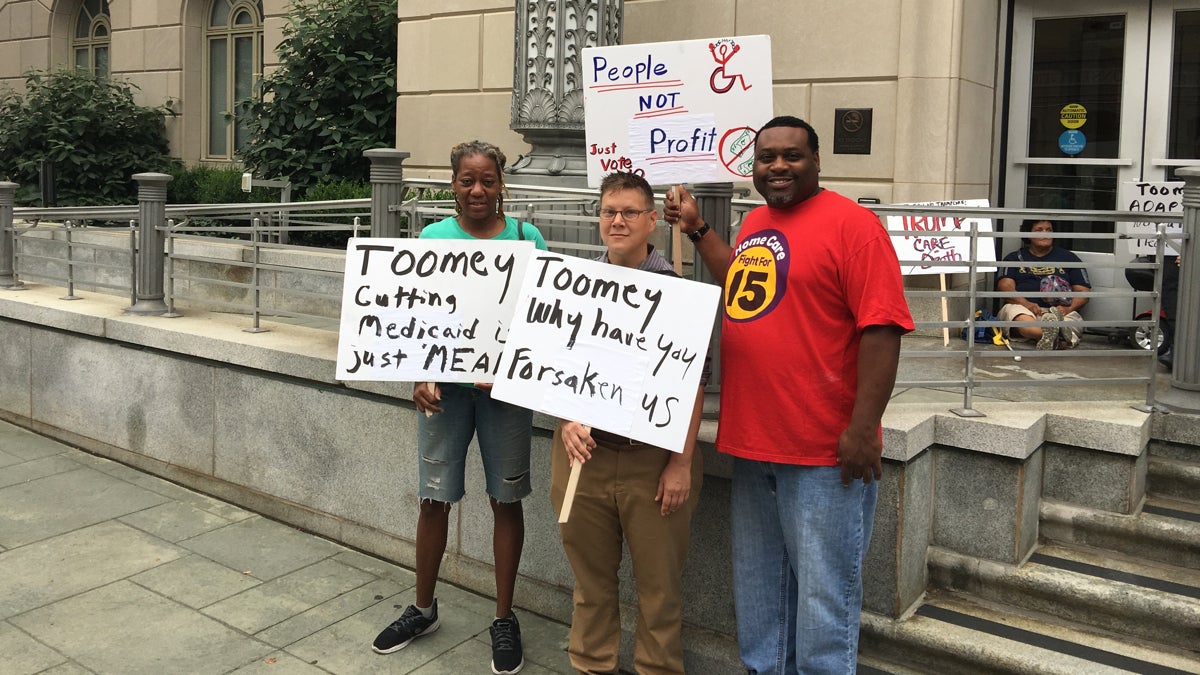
<point x="427" y="396"/>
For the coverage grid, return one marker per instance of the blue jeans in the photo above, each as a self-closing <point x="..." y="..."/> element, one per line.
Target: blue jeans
<point x="799" y="538"/>
<point x="504" y="430"/>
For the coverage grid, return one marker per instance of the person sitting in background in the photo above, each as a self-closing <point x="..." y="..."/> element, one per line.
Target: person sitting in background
<point x="1036" y="270"/>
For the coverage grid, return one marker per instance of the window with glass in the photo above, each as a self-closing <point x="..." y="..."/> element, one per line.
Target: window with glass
<point x="1078" y="63"/>
<point x="1183" y="139"/>
<point x="90" y="44"/>
<point x="234" y="63"/>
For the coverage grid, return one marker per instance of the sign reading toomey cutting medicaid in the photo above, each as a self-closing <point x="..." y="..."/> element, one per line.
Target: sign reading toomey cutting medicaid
<point x="417" y="310"/>
<point x="611" y="347"/>
<point x="915" y="249"/>
<point x="675" y="112"/>
<point x="1150" y="197"/>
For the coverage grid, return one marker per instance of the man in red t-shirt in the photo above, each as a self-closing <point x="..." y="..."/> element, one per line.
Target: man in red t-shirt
<point x="814" y="310"/>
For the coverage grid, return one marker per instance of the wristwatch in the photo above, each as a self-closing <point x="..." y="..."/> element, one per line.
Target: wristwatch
<point x="695" y="236"/>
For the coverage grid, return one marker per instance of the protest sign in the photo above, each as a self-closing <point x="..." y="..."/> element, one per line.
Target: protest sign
<point x="416" y="310"/>
<point x="675" y="112"/>
<point x="607" y="346"/>
<point x="1150" y="197"/>
<point x="913" y="250"/>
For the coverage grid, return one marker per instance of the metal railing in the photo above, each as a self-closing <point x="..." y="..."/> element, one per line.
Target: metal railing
<point x="251" y="272"/>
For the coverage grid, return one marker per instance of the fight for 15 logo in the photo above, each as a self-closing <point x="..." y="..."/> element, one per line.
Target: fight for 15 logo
<point x="757" y="276"/>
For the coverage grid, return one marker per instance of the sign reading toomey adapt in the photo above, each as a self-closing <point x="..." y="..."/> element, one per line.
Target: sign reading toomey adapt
<point x="611" y="347"/>
<point x="1150" y="197"/>
<point x="914" y="250"/>
<point x="683" y="111"/>
<point x="416" y="310"/>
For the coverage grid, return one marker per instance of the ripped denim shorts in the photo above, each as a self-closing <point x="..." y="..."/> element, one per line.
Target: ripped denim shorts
<point x="504" y="432"/>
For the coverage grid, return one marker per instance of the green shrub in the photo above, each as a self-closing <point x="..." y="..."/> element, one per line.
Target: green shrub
<point x="333" y="96"/>
<point x="329" y="191"/>
<point x="92" y="130"/>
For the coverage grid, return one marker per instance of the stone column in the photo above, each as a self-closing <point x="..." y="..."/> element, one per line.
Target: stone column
<point x="8" y="272"/>
<point x="387" y="188"/>
<point x="1184" y="394"/>
<point x="547" y="103"/>
<point x="152" y="213"/>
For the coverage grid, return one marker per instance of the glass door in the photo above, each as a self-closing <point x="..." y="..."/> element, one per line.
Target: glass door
<point x="1101" y="92"/>
<point x="1076" y="113"/>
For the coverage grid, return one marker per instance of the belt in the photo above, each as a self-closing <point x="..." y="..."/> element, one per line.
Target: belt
<point x="615" y="441"/>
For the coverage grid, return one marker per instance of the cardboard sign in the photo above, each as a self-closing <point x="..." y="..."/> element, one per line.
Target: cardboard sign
<point x="1150" y="197"/>
<point x="417" y="310"/>
<point x="676" y="112"/>
<point x="913" y="249"/>
<point x="607" y="346"/>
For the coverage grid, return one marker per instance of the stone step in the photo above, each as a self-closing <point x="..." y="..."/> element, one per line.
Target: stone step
<point x="1174" y="479"/>
<point x="1165" y="534"/>
<point x="956" y="633"/>
<point x="1120" y="595"/>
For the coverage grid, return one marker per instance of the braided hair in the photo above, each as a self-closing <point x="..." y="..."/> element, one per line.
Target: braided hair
<point x="488" y="150"/>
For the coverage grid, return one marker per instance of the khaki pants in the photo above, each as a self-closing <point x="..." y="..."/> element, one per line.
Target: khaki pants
<point x="615" y="501"/>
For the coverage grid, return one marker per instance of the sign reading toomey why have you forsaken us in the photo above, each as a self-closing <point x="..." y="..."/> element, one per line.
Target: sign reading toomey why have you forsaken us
<point x="417" y="310"/>
<point x="614" y="348"/>
<point x="676" y="112"/>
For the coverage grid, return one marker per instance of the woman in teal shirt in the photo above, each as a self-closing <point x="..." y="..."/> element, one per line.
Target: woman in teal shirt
<point x="451" y="415"/>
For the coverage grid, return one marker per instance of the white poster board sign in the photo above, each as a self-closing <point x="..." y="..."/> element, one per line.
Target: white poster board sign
<point x="417" y="310"/>
<point x="913" y="249"/>
<point x="607" y="346"/>
<point x="1150" y="197"/>
<point x="676" y="112"/>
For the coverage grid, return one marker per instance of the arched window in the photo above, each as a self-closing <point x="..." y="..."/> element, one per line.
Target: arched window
<point x="234" y="44"/>
<point x="92" y="28"/>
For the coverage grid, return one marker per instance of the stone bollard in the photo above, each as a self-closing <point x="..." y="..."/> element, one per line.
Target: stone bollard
<point x="8" y="263"/>
<point x="152" y="212"/>
<point x="387" y="189"/>
<point x="1184" y="394"/>
<point x="713" y="201"/>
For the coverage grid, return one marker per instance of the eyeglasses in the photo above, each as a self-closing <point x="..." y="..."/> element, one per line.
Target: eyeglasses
<point x="627" y="214"/>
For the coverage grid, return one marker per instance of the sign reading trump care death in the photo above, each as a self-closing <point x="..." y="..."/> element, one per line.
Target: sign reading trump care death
<point x="676" y="112"/>
<point x="922" y="238"/>
<point x="417" y="310"/>
<point x="607" y="346"/>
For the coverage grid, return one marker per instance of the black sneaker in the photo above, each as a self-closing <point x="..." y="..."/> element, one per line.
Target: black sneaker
<point x="507" y="657"/>
<point x="410" y="626"/>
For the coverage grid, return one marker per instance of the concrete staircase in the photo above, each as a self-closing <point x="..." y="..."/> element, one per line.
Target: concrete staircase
<point x="1102" y="593"/>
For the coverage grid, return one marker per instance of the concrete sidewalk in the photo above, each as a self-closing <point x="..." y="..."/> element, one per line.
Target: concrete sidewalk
<point x="105" y="569"/>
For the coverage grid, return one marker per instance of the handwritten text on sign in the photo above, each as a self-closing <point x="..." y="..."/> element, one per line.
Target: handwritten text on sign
<point x="1150" y="197"/>
<point x="676" y="111"/>
<point x="916" y="249"/>
<point x="614" y="348"/>
<point x="416" y="310"/>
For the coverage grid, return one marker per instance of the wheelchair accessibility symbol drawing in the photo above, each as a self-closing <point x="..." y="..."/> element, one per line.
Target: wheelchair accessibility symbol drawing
<point x="721" y="79"/>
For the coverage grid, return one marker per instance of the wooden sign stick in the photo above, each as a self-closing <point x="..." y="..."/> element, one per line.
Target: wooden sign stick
<point x="572" y="485"/>
<point x="433" y="389"/>
<point x="676" y="239"/>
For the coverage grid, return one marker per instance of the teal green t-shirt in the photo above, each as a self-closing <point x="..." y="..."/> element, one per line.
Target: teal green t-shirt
<point x="448" y="228"/>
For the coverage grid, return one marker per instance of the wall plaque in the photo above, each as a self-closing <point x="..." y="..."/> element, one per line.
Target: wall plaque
<point x="852" y="131"/>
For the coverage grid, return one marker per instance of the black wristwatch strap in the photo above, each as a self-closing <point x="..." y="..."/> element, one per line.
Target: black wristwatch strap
<point x="695" y="236"/>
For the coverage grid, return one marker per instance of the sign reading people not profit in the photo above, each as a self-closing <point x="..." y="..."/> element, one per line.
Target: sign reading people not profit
<point x="416" y="310"/>
<point x="673" y="112"/>
<point x="1150" y="197"/>
<point x="614" y="348"/>
<point x="931" y="244"/>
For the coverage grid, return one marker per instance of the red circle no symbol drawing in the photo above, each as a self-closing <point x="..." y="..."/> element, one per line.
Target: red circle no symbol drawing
<point x="735" y="148"/>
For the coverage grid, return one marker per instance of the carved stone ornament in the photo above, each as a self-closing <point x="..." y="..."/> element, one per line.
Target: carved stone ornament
<point x="547" y="104"/>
